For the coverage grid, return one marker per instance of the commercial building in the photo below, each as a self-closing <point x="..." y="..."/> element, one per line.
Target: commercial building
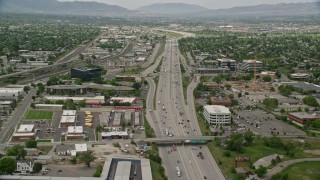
<point x="11" y="93"/>
<point x="89" y="100"/>
<point x="128" y="78"/>
<point x="115" y="135"/>
<point x="217" y="115"/>
<point x="68" y="118"/>
<point x="85" y="74"/>
<point x="119" y="168"/>
<point x="299" y="76"/>
<point x="53" y="107"/>
<point x="122" y="100"/>
<point x="248" y="65"/>
<point x="70" y="149"/>
<point x="85" y="88"/>
<point x="75" y="133"/>
<point x="213" y="70"/>
<point x="223" y="101"/>
<point x="213" y="86"/>
<point x="25" y="132"/>
<point x="230" y="63"/>
<point x="272" y="74"/>
<point x="302" y="117"/>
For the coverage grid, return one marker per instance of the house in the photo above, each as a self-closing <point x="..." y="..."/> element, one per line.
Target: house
<point x="24" y="167"/>
<point x="64" y="149"/>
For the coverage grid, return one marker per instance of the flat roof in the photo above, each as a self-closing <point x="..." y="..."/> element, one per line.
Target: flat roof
<point x="304" y="85"/>
<point x="25" y="128"/>
<point x="49" y="105"/>
<point x="226" y="60"/>
<point x="123" y="170"/>
<point x="81" y="147"/>
<point x="88" y="99"/>
<point x="11" y="90"/>
<point x="115" y="133"/>
<point x="69" y="112"/>
<point x="217" y="109"/>
<point x="303" y="115"/>
<point x="124" y="99"/>
<point x="68" y="119"/>
<point x="75" y="129"/>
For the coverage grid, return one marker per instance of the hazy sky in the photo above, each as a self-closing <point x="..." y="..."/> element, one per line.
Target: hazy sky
<point x="211" y="4"/>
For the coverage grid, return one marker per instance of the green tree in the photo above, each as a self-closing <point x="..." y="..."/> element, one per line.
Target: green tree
<point x="31" y="143"/>
<point x="261" y="171"/>
<point x="73" y="160"/>
<point x="271" y="102"/>
<point x="26" y="89"/>
<point x="98" y="171"/>
<point x="227" y="86"/>
<point x="18" y="151"/>
<point x="310" y="101"/>
<point x="87" y="158"/>
<point x="235" y="142"/>
<point x="37" y="167"/>
<point x="248" y="137"/>
<point x="267" y="79"/>
<point x="7" y="165"/>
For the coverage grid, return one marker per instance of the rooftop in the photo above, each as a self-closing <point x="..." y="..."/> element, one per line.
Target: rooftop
<point x="75" y="129"/>
<point x="123" y="170"/>
<point x="85" y="68"/>
<point x="115" y="133"/>
<point x="217" y="109"/>
<point x="69" y="113"/>
<point x="68" y="119"/>
<point x="303" y="115"/>
<point x="25" y="128"/>
<point x="81" y="147"/>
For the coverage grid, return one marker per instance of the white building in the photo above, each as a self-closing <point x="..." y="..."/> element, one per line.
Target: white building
<point x="11" y="93"/>
<point x="24" y="167"/>
<point x="75" y="133"/>
<point x="217" y="115"/>
<point x="249" y="65"/>
<point x="25" y="132"/>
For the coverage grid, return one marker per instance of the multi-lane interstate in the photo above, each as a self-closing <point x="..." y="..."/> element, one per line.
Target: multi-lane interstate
<point x="171" y="117"/>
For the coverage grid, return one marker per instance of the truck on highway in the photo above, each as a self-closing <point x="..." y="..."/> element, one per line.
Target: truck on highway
<point x="178" y="171"/>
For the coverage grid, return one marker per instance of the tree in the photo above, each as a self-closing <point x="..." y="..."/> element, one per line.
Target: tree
<point x="261" y="171"/>
<point x="78" y="81"/>
<point x="26" y="89"/>
<point x="248" y="137"/>
<point x="31" y="144"/>
<point x="235" y="142"/>
<point x="98" y="171"/>
<point x="87" y="158"/>
<point x="227" y="86"/>
<point x="73" y="160"/>
<point x="37" y="167"/>
<point x="7" y="165"/>
<point x="271" y="102"/>
<point x="310" y="101"/>
<point x="267" y="79"/>
<point x="18" y="151"/>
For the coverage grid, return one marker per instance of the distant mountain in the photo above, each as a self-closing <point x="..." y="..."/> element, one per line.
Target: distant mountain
<point x="295" y="9"/>
<point x="65" y="8"/>
<point x="171" y="8"/>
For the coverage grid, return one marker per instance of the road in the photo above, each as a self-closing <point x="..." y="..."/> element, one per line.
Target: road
<point x="16" y="116"/>
<point x="278" y="168"/>
<point x="172" y="116"/>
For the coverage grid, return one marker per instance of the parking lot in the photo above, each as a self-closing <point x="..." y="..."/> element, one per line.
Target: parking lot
<point x="265" y="124"/>
<point x="69" y="171"/>
<point x="51" y="130"/>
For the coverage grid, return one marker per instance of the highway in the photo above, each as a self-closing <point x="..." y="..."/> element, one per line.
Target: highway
<point x="171" y="117"/>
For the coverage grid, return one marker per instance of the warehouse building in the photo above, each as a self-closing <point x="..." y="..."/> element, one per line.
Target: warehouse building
<point x="11" y="93"/>
<point x="217" y="115"/>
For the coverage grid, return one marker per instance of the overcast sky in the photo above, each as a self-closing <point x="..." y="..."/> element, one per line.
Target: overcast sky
<point x="211" y="4"/>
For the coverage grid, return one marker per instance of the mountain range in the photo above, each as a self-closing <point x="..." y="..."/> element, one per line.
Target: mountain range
<point x="159" y="9"/>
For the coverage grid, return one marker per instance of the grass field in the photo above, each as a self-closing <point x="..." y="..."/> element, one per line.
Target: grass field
<point x="155" y="167"/>
<point x="256" y="151"/>
<point x="304" y="170"/>
<point x="39" y="115"/>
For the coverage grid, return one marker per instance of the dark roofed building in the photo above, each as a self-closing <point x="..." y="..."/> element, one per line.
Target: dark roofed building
<point x="85" y="74"/>
<point x="302" y="117"/>
<point x="223" y="101"/>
